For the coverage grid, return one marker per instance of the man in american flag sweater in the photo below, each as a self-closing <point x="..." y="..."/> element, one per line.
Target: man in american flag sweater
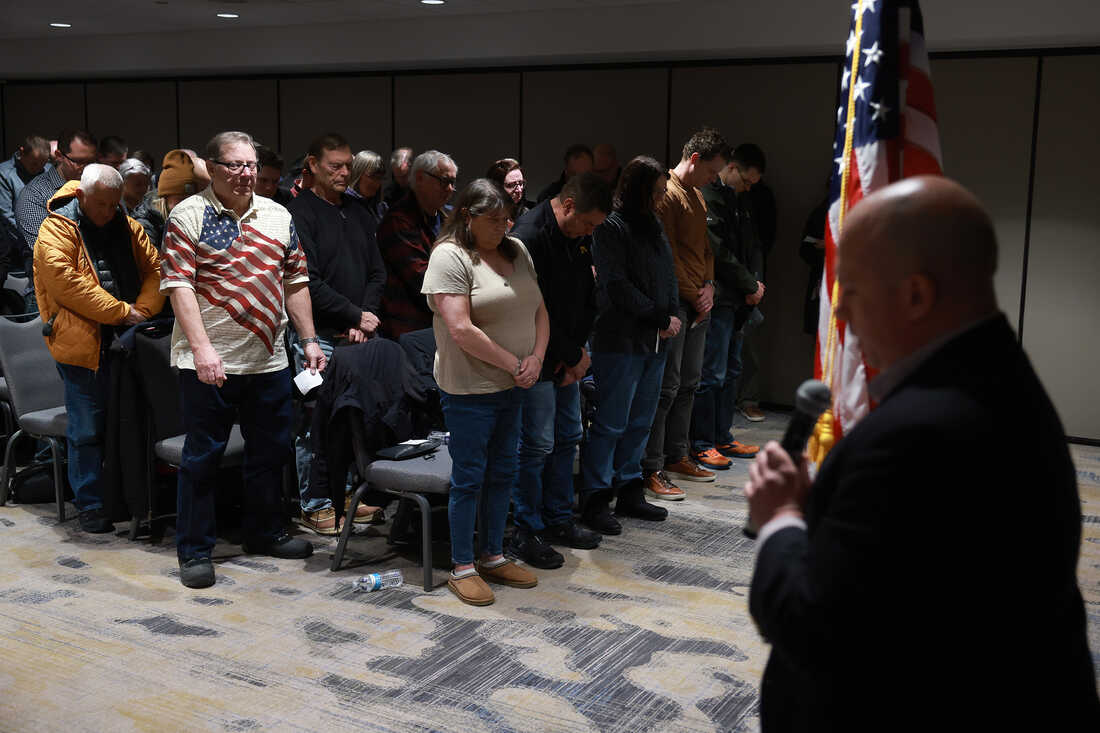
<point x="234" y="270"/>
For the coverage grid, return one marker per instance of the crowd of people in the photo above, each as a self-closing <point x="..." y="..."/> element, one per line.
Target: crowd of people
<point x="641" y="279"/>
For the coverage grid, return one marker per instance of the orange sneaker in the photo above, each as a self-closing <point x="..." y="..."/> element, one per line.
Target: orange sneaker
<point x="712" y="459"/>
<point x="737" y="449"/>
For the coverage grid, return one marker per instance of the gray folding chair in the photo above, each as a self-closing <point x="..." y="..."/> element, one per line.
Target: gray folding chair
<point x="37" y="399"/>
<point x="414" y="479"/>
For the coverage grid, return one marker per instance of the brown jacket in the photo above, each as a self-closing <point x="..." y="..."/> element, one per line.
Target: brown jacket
<point x="684" y="215"/>
<point x="66" y="283"/>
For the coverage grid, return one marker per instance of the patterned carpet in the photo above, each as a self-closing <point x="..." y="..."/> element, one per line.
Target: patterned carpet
<point x="648" y="633"/>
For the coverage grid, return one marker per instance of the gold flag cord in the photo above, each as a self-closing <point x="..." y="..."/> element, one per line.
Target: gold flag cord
<point x="824" y="438"/>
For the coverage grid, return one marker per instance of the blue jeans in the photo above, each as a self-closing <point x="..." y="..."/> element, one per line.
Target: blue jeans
<point x="303" y="455"/>
<point x="262" y="404"/>
<point x="549" y="437"/>
<point x="86" y="395"/>
<point x="484" y="436"/>
<point x="712" y="414"/>
<point x="628" y="387"/>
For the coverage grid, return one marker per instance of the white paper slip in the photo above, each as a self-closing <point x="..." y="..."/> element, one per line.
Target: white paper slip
<point x="414" y="441"/>
<point x="306" y="381"/>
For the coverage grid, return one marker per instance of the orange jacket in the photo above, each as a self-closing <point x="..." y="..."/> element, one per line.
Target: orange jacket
<point x="66" y="283"/>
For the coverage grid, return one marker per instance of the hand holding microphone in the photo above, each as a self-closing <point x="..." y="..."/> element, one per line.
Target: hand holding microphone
<point x="778" y="477"/>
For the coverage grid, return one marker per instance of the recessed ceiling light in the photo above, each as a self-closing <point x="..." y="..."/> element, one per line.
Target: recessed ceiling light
<point x="432" y="2"/>
<point x="228" y="15"/>
<point x="61" y="25"/>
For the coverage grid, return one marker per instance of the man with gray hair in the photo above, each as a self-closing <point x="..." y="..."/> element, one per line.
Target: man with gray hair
<point x="234" y="270"/>
<point x="405" y="239"/>
<point x="95" y="274"/>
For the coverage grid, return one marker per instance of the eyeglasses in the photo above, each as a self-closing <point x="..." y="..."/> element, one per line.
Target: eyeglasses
<point x="447" y="181"/>
<point x="78" y="163"/>
<point x="514" y="185"/>
<point x="237" y="167"/>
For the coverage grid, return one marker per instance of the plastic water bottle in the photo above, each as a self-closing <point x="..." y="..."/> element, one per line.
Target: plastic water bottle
<point x="379" y="581"/>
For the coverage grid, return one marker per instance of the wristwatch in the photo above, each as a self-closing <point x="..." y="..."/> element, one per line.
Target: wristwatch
<point x="310" y="340"/>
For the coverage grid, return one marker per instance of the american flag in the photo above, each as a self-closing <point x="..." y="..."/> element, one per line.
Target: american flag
<point x="237" y="268"/>
<point x="885" y="130"/>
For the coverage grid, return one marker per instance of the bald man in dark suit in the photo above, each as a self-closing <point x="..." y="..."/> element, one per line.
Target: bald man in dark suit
<point x="926" y="579"/>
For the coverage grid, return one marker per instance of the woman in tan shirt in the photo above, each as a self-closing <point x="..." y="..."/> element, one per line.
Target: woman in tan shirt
<point x="491" y="331"/>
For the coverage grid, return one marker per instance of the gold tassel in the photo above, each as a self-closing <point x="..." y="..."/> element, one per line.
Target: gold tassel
<point x="823" y="439"/>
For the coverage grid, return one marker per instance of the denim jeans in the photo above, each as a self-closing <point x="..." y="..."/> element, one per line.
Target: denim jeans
<point x="303" y="454"/>
<point x="262" y="404"/>
<point x="550" y="433"/>
<point x="668" y="440"/>
<point x="86" y="396"/>
<point x="484" y="440"/>
<point x="628" y="387"/>
<point x="748" y="390"/>
<point x="712" y="414"/>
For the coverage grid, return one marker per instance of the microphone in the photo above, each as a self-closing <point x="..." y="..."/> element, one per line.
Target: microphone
<point x="812" y="398"/>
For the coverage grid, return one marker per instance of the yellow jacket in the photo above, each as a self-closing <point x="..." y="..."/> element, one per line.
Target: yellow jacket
<point x="66" y="283"/>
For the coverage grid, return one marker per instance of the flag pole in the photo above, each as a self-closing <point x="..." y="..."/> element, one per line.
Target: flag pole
<point x="824" y="436"/>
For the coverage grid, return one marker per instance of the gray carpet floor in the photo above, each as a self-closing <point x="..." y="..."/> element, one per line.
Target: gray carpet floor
<point x="648" y="633"/>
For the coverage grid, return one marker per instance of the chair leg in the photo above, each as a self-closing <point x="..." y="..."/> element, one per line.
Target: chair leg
<point x="58" y="486"/>
<point x="5" y="479"/>
<point x="345" y="533"/>
<point x="425" y="538"/>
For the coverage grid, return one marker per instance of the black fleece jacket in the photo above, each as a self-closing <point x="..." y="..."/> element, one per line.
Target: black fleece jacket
<point x="346" y="273"/>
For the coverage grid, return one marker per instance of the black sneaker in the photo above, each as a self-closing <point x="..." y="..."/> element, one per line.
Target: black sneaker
<point x="533" y="550"/>
<point x="94" y="521"/>
<point x="198" y="572"/>
<point x="570" y="535"/>
<point x="284" y="546"/>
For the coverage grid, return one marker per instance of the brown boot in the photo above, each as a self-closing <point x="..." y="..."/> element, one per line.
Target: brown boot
<point x="322" y="521"/>
<point x="687" y="470"/>
<point x="658" y="486"/>
<point x="508" y="573"/>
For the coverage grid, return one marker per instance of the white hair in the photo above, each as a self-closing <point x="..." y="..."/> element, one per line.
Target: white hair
<point x="429" y="162"/>
<point x="98" y="174"/>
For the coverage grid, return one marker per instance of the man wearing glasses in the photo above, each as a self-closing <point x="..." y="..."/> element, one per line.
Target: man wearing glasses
<point x="234" y="271"/>
<point x="75" y="149"/>
<point x="405" y="239"/>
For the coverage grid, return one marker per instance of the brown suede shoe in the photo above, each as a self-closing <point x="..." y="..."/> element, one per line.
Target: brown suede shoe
<point x="471" y="589"/>
<point x="687" y="470"/>
<point x="365" y="514"/>
<point x="658" y="486"/>
<point x="322" y="521"/>
<point x="509" y="574"/>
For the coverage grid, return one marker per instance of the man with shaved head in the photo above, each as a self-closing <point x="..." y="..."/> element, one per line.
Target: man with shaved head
<point x="926" y="577"/>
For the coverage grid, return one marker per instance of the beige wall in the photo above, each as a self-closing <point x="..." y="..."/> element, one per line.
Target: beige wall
<point x="985" y="108"/>
<point x="1062" y="316"/>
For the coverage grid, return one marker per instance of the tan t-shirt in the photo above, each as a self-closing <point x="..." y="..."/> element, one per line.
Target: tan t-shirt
<point x="503" y="307"/>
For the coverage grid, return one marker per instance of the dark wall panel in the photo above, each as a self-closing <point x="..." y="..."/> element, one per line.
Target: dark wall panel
<point x="210" y="107"/>
<point x="790" y="113"/>
<point x="41" y="109"/>
<point x="474" y="118"/>
<point x="625" y="107"/>
<point x="359" y="108"/>
<point x="144" y="113"/>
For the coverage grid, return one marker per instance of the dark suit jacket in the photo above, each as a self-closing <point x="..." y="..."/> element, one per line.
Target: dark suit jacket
<point x="936" y="585"/>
